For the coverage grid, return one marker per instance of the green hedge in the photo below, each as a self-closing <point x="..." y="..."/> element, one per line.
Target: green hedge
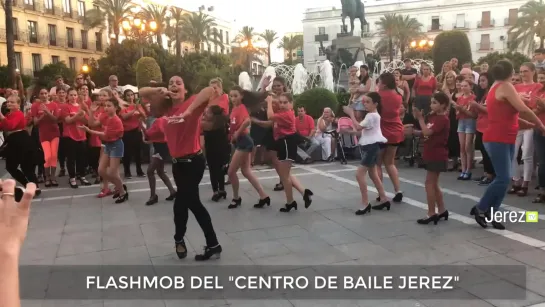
<point x="448" y="45"/>
<point x="315" y="100"/>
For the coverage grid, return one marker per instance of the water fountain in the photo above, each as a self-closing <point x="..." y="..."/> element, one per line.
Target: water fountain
<point x="326" y="72"/>
<point x="300" y="78"/>
<point x="269" y="72"/>
<point x="245" y="81"/>
<point x="399" y="64"/>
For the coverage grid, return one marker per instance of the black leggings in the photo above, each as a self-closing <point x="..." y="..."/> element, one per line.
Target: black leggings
<point x="132" y="140"/>
<point x="217" y="146"/>
<point x="487" y="163"/>
<point x="61" y="154"/>
<point x="36" y="137"/>
<point x="16" y="157"/>
<point x="94" y="157"/>
<point x="188" y="176"/>
<point x="75" y="153"/>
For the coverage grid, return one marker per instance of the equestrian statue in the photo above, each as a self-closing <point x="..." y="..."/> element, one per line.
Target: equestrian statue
<point x="353" y="9"/>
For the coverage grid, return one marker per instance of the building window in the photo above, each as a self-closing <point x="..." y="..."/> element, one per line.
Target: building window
<point x="36" y="62"/>
<point x="33" y="32"/>
<point x="460" y="21"/>
<point x="84" y="39"/>
<point x="70" y="37"/>
<point x="485" y="20"/>
<point x="72" y="63"/>
<point x="18" y="60"/>
<point x="48" y="5"/>
<point x="29" y="4"/>
<point x="321" y="30"/>
<point x="485" y="42"/>
<point x="81" y="8"/>
<point x="85" y="61"/>
<point x="55" y="59"/>
<point x="67" y="7"/>
<point x="435" y="25"/>
<point x="52" y="35"/>
<point x="513" y="15"/>
<point x="98" y="41"/>
<point x="16" y="29"/>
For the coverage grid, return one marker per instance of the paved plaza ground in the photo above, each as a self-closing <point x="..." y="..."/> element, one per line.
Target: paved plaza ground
<point x="73" y="227"/>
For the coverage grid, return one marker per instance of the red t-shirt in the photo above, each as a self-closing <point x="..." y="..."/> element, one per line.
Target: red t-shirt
<point x="133" y="122"/>
<point x="425" y="88"/>
<point x="223" y="102"/>
<point x="390" y="122"/>
<point x="305" y="126"/>
<point x="71" y="130"/>
<point x="156" y="133"/>
<point x="435" y="145"/>
<point x="503" y="120"/>
<point x="530" y="89"/>
<point x="184" y="138"/>
<point x="284" y="124"/>
<point x="113" y="128"/>
<point x="48" y="128"/>
<point x="482" y="119"/>
<point x="13" y="121"/>
<point x="464" y="101"/>
<point x="541" y="114"/>
<point x="237" y="118"/>
<point x="100" y="116"/>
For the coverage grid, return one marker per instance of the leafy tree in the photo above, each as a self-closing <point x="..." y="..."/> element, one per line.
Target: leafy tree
<point x="529" y="25"/>
<point x="147" y="70"/>
<point x="418" y="54"/>
<point x="5" y="82"/>
<point x="199" y="68"/>
<point x="246" y="51"/>
<point x="516" y="58"/>
<point x="451" y="44"/>
<point x="7" y="5"/>
<point x="174" y="32"/>
<point x="108" y="14"/>
<point x="119" y="60"/>
<point x="46" y="76"/>
<point x="197" y="29"/>
<point x="315" y="100"/>
<point x="157" y="13"/>
<point x="397" y="31"/>
<point x="290" y="44"/>
<point x="269" y="36"/>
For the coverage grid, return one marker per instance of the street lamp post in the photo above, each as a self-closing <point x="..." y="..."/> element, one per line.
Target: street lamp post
<point x="141" y="28"/>
<point x="422" y="45"/>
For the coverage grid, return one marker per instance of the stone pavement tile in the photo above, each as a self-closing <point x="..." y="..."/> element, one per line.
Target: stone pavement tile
<point x="402" y="244"/>
<point x="250" y="236"/>
<point x="55" y="220"/>
<point x="259" y="303"/>
<point x="464" y="298"/>
<point x="287" y="231"/>
<point x="72" y="303"/>
<point x="502" y="286"/>
<point x="333" y="233"/>
<point x="118" y="216"/>
<point x="39" y="255"/>
<point x="537" y="286"/>
<point x="501" y="244"/>
<point x="79" y="243"/>
<point x="160" y="249"/>
<point x="195" y="303"/>
<point x="122" y="236"/>
<point x="292" y="259"/>
<point x="126" y="256"/>
<point x="468" y="274"/>
<point x="424" y="257"/>
<point x="31" y="303"/>
<point x="305" y="243"/>
<point x="42" y="237"/>
<point x="158" y="232"/>
<point x="535" y="257"/>
<point x="84" y="220"/>
<point x="363" y="250"/>
<point x="264" y="249"/>
<point x="93" y="258"/>
<point x="134" y="303"/>
<point x="463" y="251"/>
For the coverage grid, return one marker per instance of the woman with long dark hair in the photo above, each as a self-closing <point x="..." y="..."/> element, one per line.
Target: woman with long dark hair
<point x="132" y="137"/>
<point x="61" y="99"/>
<point x="182" y="133"/>
<point x="214" y="124"/>
<point x="479" y="105"/>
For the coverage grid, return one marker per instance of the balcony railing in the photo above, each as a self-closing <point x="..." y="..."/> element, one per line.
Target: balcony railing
<point x="33" y="39"/>
<point x="56" y="41"/>
<point x="69" y="14"/>
<point x="461" y="26"/>
<point x="53" y="10"/>
<point x="485" y="46"/>
<point x="70" y="43"/>
<point x="21" y="36"/>
<point x="481" y="24"/>
<point x="433" y="28"/>
<point x="321" y="38"/>
<point x="30" y="6"/>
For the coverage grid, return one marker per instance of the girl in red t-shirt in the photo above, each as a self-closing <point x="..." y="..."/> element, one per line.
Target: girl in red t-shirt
<point x="435" y="154"/>
<point x="61" y="99"/>
<point x="108" y="167"/>
<point x="44" y="114"/>
<point x="73" y="115"/>
<point x="466" y="128"/>
<point x="239" y="132"/>
<point x="95" y="144"/>
<point x="131" y="116"/>
<point x="286" y="141"/>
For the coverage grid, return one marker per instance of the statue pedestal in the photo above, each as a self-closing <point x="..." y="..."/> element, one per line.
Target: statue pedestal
<point x="348" y="50"/>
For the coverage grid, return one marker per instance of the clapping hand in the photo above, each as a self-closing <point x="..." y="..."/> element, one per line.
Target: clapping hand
<point x="84" y="128"/>
<point x="417" y="113"/>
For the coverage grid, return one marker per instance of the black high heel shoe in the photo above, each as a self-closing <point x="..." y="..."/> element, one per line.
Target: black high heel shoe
<point x="288" y="207"/>
<point x="385" y="204"/>
<point x="83" y="181"/>
<point x="122" y="198"/>
<point x="219" y="195"/>
<point x="479" y="218"/>
<point x="425" y="221"/>
<point x="73" y="183"/>
<point x="152" y="200"/>
<point x="235" y="203"/>
<point x="116" y="194"/>
<point x="171" y="197"/>
<point x="181" y="250"/>
<point x="443" y="215"/>
<point x="307" y="198"/>
<point x="209" y="252"/>
<point x="263" y="202"/>
<point x="364" y="210"/>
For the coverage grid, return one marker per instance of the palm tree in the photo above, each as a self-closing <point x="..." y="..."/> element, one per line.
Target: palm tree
<point x="269" y="36"/>
<point x="10" y="40"/>
<point x="290" y="44"/>
<point x="157" y="13"/>
<point x="387" y="28"/>
<point x="197" y="28"/>
<point x="111" y="12"/>
<point x="246" y="40"/>
<point x="408" y="29"/>
<point x="529" y="25"/>
<point x="174" y="32"/>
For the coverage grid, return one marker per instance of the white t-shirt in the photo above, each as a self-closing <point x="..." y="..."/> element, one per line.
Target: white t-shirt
<point x="371" y="133"/>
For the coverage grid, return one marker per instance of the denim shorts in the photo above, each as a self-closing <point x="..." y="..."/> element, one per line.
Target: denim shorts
<point x="114" y="149"/>
<point x="244" y="143"/>
<point x="369" y="154"/>
<point x="358" y="104"/>
<point x="467" y="125"/>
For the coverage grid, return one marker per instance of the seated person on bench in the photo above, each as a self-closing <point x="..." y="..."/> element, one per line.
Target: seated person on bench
<point x="306" y="128"/>
<point x="323" y="139"/>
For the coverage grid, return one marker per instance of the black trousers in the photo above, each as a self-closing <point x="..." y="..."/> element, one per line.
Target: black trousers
<point x="217" y="156"/>
<point x="62" y="152"/>
<point x="75" y="156"/>
<point x="36" y="137"/>
<point x="132" y="140"/>
<point x="94" y="157"/>
<point x="21" y="152"/>
<point x="487" y="163"/>
<point x="188" y="176"/>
